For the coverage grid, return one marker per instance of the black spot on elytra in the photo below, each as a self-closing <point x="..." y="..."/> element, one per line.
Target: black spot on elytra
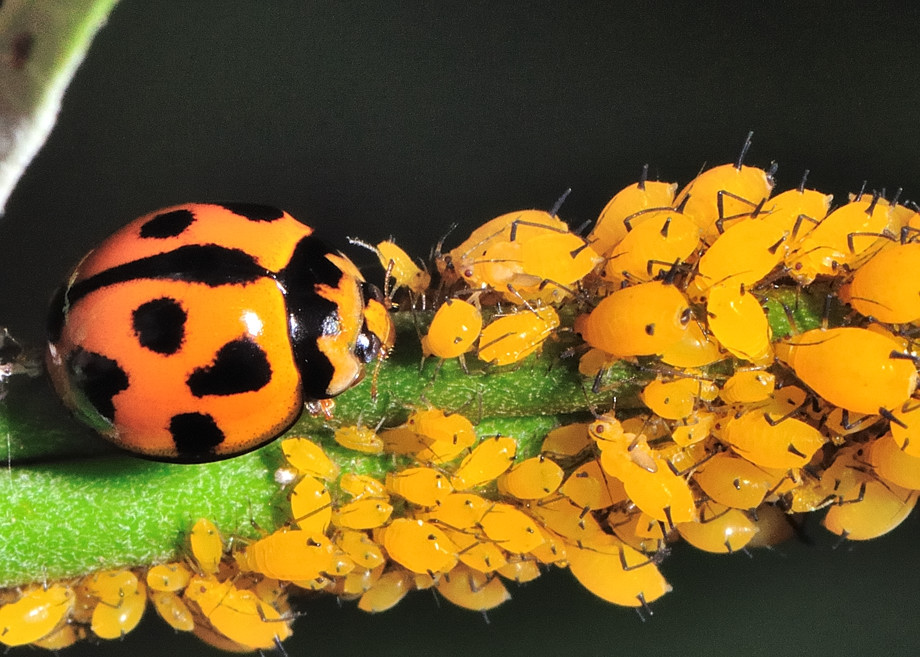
<point x="160" y="325"/>
<point x="240" y="366"/>
<point x="167" y="224"/>
<point x="195" y="435"/>
<point x="254" y="211"/>
<point x="209" y="264"/>
<point x="99" y="379"/>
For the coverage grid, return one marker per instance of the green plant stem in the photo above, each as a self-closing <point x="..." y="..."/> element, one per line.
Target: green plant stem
<point x="71" y="504"/>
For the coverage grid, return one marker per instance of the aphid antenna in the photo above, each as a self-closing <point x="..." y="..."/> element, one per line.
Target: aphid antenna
<point x="862" y="190"/>
<point x="897" y="196"/>
<point x="744" y="149"/>
<point x="558" y="204"/>
<point x="771" y="172"/>
<point x="359" y="242"/>
<point x="643" y="177"/>
<point x="582" y="228"/>
<point x="801" y="186"/>
<point x="437" y="250"/>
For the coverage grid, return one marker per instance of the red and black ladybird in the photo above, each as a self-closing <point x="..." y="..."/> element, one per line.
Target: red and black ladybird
<point x="198" y="332"/>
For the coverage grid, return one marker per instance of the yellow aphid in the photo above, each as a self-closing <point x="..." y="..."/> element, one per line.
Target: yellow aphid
<point x="797" y="211"/>
<point x="616" y="572"/>
<point x="366" y="513"/>
<point x="357" y="582"/>
<point x="696" y="428"/>
<point x="530" y="250"/>
<point x="207" y="546"/>
<point x="478" y="553"/>
<point x="486" y="462"/>
<point x="640" y="320"/>
<point x="567" y="440"/>
<point x="720" y="529"/>
<point x="520" y="570"/>
<point x="311" y="505"/>
<point x="739" y="323"/>
<point x="531" y="479"/>
<point x="36" y="614"/>
<point x="419" y="546"/>
<point x="359" y="546"/>
<point x="676" y="400"/>
<point x="308" y="458"/>
<point x="652" y="247"/>
<point x="880" y="508"/>
<point x="551" y="264"/>
<point x="780" y="442"/>
<point x="748" y="386"/>
<point x="454" y="329"/>
<point x="511" y="528"/>
<point x="445" y="435"/>
<point x="111" y="586"/>
<point x="611" y="227"/>
<point x="290" y="555"/>
<point x="589" y="487"/>
<point x="360" y="439"/>
<point x="62" y="637"/>
<point x="421" y="486"/>
<point x="854" y="368"/>
<point x="511" y="338"/>
<point x="662" y="494"/>
<point x="894" y="465"/>
<point x="460" y="510"/>
<point x="638" y="529"/>
<point x="168" y="577"/>
<point x="886" y="287"/>
<point x="743" y="255"/>
<point x="719" y="195"/>
<point x="172" y="609"/>
<point x="735" y="482"/>
<point x="572" y="522"/>
<point x="472" y="590"/>
<point x="358" y="486"/>
<point x="400" y="267"/>
<point x="848" y="236"/>
<point x="695" y="349"/>
<point x="386" y="592"/>
<point x="237" y="614"/>
<point x="403" y="440"/>
<point x="112" y="620"/>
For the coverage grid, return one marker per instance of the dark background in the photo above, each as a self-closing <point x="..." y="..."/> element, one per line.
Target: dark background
<point x="370" y="119"/>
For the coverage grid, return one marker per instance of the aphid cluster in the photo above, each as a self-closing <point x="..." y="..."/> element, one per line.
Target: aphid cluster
<point x="742" y="427"/>
<point x="207" y="594"/>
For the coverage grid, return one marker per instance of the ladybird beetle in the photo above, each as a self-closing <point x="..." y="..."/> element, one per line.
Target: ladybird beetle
<point x="197" y="332"/>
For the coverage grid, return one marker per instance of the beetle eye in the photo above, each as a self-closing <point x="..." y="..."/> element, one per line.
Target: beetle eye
<point x="367" y="346"/>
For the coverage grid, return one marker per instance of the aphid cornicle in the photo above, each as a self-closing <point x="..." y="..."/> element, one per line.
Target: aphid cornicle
<point x="197" y="332"/>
